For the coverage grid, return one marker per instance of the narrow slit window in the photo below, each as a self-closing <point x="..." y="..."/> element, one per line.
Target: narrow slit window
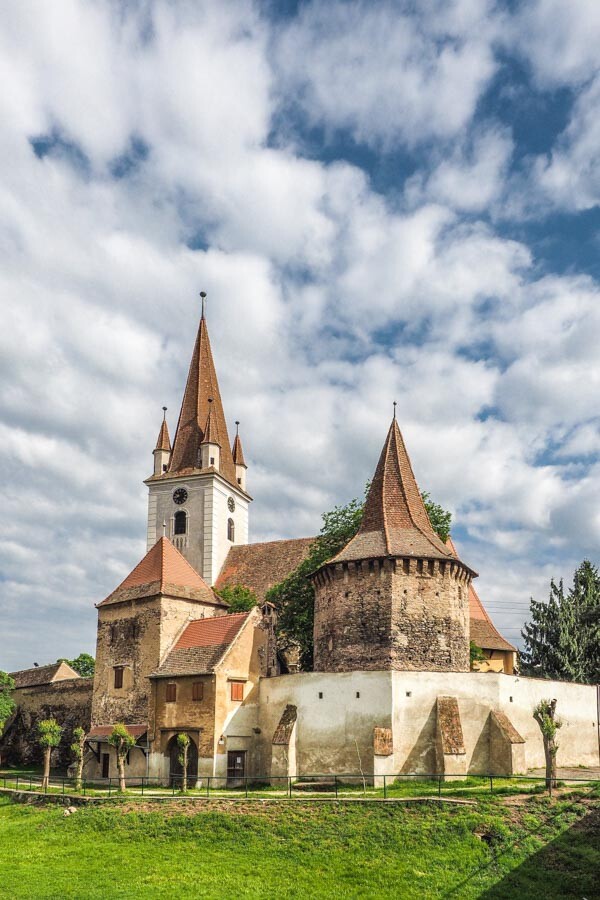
<point x="118" y="670"/>
<point x="230" y="530"/>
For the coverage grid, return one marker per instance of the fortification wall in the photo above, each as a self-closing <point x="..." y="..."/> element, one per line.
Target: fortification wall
<point x="338" y="712"/>
<point x="68" y="701"/>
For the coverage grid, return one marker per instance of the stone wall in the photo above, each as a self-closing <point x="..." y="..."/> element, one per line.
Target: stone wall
<point x="402" y="614"/>
<point x="337" y="714"/>
<point x="68" y="701"/>
<point x="136" y="635"/>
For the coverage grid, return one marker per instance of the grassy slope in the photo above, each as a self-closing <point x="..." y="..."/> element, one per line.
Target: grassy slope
<point x="299" y="851"/>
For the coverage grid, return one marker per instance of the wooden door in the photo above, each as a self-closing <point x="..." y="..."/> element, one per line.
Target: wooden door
<point x="105" y="764"/>
<point x="236" y="767"/>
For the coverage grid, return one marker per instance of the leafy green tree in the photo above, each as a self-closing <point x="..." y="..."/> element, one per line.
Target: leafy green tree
<point x="77" y="749"/>
<point x="240" y="598"/>
<point x="49" y="732"/>
<point x="84" y="664"/>
<point x="545" y="715"/>
<point x="562" y="639"/>
<point x="7" y="704"/>
<point x="476" y="654"/>
<point x="439" y="517"/>
<point x="294" y="597"/>
<point x="122" y="741"/>
<point x="183" y="745"/>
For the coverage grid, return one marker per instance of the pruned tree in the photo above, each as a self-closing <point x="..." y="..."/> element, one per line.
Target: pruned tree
<point x="49" y="732"/>
<point x="562" y="638"/>
<point x="7" y="704"/>
<point x="183" y="744"/>
<point x="122" y="741"/>
<point x="77" y="750"/>
<point x="545" y="715"/>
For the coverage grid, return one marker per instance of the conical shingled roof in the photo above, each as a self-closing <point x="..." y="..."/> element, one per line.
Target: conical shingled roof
<point x="210" y="429"/>
<point x="163" y="441"/>
<point x="201" y="386"/>
<point x="237" y="452"/>
<point x="395" y="521"/>
<point x="164" y="570"/>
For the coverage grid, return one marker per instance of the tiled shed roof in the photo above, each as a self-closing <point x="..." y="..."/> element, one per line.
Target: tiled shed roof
<point x="101" y="732"/>
<point x="261" y="566"/>
<point x="164" y="570"/>
<point x="59" y="671"/>
<point x="202" y="645"/>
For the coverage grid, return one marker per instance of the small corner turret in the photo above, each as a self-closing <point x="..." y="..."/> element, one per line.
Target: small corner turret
<point x="238" y="458"/>
<point x="210" y="448"/>
<point x="162" y="451"/>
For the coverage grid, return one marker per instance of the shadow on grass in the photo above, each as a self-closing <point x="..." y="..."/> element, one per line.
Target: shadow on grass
<point x="568" y="866"/>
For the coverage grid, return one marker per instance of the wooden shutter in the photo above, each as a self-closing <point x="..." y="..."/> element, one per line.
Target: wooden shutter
<point x="171" y="693"/>
<point x="237" y="690"/>
<point x="197" y="690"/>
<point x="118" y="676"/>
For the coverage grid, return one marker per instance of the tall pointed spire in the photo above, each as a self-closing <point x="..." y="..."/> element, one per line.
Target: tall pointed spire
<point x="201" y="386"/>
<point x="395" y="521"/>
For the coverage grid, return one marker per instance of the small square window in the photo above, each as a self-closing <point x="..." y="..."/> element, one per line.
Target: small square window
<point x="118" y="670"/>
<point x="237" y="690"/>
<point x="197" y="690"/>
<point x="171" y="693"/>
<point x="358" y="695"/>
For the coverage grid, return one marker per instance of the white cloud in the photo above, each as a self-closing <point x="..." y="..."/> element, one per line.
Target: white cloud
<point x="387" y="76"/>
<point x="327" y="300"/>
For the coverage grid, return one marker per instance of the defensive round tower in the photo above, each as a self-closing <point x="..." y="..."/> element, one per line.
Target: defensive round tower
<point x="395" y="597"/>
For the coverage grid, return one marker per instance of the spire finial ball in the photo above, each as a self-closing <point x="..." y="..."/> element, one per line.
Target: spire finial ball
<point x="395" y="409"/>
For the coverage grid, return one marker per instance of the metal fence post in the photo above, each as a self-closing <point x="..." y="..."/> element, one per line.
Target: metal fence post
<point x="335" y="785"/>
<point x="384" y="788"/>
<point x="439" y="785"/>
<point x="290" y="786"/>
<point x="491" y="784"/>
<point x="246" y="781"/>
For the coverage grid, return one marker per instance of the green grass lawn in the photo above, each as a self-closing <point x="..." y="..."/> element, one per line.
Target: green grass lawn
<point x="301" y="850"/>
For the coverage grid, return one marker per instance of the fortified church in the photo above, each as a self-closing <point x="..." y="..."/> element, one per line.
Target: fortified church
<point x="392" y="689"/>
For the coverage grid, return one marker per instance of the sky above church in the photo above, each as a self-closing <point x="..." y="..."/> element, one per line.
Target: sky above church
<point x="383" y="200"/>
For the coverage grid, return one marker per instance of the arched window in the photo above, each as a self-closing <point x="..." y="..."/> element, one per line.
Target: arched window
<point x="230" y="530"/>
<point x="180" y="522"/>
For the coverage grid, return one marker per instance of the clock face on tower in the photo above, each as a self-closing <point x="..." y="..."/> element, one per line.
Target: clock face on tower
<point x="180" y="496"/>
<point x="231" y="504"/>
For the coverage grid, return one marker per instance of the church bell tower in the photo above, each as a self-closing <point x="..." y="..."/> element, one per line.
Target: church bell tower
<point x="197" y="493"/>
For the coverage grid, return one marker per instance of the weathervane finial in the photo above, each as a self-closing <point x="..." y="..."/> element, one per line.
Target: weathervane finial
<point x="237" y="426"/>
<point x="394" y="410"/>
<point x="203" y="296"/>
<point x="164" y="413"/>
<point x="164" y="528"/>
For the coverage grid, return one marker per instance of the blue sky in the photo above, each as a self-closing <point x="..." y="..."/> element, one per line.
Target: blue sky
<point x="383" y="201"/>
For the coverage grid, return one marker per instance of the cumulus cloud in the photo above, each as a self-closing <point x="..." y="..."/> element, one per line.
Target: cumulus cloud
<point x="158" y="158"/>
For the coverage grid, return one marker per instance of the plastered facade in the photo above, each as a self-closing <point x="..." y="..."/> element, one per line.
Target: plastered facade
<point x="205" y="544"/>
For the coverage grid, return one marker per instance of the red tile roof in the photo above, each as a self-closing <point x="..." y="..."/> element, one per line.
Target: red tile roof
<point x="59" y="671"/>
<point x="211" y="631"/>
<point x="261" y="566"/>
<point x="483" y="631"/>
<point x="163" y="570"/>
<point x="202" y="645"/>
<point x="201" y="386"/>
<point x="395" y="521"/>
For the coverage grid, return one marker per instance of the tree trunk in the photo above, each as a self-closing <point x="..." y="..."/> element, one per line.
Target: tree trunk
<point x="550" y="753"/>
<point x="79" y="777"/>
<point x="185" y="768"/>
<point x="46" y="776"/>
<point x="121" y="765"/>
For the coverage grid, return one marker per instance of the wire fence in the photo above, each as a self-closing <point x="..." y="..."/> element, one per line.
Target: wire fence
<point x="311" y="787"/>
